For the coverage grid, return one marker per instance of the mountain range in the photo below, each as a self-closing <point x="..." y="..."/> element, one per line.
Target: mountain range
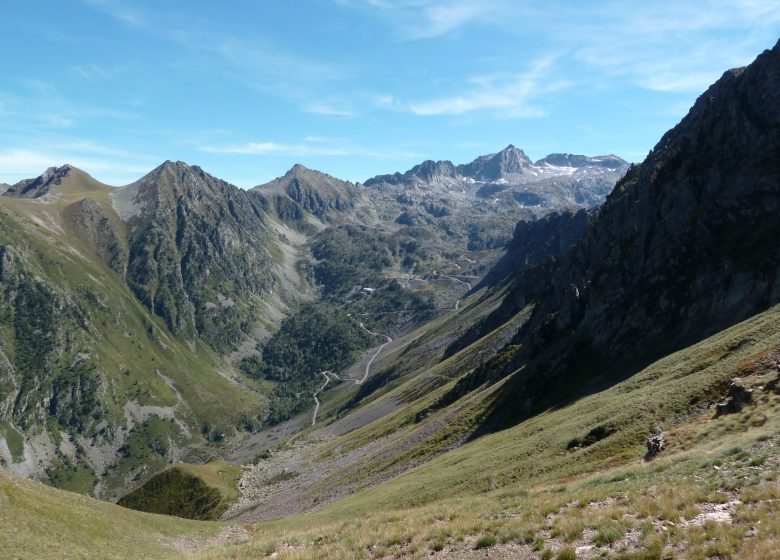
<point x="571" y="358"/>
<point x="197" y="261"/>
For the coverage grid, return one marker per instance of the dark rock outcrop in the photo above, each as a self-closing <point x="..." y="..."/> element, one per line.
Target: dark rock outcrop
<point x="198" y="251"/>
<point x="655" y="444"/>
<point x="35" y="188"/>
<point x="737" y="396"/>
<point x="685" y="246"/>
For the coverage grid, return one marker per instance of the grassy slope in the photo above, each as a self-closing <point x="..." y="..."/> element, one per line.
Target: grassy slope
<point x="38" y="521"/>
<point x="510" y="481"/>
<point x="524" y="485"/>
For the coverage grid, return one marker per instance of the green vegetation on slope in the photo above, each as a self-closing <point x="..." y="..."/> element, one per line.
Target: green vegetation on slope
<point x="522" y="486"/>
<point x="314" y="339"/>
<point x="533" y="491"/>
<point x="191" y="491"/>
<point x="349" y="256"/>
<point x="85" y="369"/>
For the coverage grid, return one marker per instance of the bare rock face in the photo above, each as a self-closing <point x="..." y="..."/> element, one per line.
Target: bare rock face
<point x="738" y="395"/>
<point x="655" y="444"/>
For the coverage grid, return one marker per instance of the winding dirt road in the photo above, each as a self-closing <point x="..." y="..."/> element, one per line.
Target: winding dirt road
<point x="379" y="351"/>
<point x="316" y="395"/>
<point x="328" y="374"/>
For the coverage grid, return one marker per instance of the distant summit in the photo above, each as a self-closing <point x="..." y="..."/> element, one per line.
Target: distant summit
<point x="39" y="186"/>
<point x="509" y="162"/>
<point x="56" y="181"/>
<point x="304" y="189"/>
<point x="556" y="181"/>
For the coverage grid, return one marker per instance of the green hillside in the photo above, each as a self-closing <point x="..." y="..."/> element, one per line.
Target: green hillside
<point x="522" y="489"/>
<point x="125" y="397"/>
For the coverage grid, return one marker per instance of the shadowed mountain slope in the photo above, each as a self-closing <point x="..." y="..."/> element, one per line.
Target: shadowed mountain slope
<point x="685" y="246"/>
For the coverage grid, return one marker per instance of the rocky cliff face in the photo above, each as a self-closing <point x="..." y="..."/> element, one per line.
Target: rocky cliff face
<point x="534" y="242"/>
<point x="306" y="190"/>
<point x="426" y="173"/>
<point x="198" y="251"/>
<point x="685" y="246"/>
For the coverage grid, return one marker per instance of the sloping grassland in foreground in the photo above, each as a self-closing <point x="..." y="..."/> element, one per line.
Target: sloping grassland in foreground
<point x="525" y="492"/>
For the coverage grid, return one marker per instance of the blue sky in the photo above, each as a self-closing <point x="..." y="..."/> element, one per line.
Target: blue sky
<point x="355" y="88"/>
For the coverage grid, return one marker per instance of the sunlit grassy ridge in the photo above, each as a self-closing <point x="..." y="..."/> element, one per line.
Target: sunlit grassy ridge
<point x="38" y="521"/>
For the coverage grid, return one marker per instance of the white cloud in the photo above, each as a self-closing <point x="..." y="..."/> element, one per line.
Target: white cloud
<point x="427" y="19"/>
<point x="309" y="147"/>
<point x="107" y="164"/>
<point x="337" y="109"/>
<point x="514" y="96"/>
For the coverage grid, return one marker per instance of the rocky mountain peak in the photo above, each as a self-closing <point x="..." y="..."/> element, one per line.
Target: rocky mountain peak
<point x="302" y="173"/>
<point x="311" y="190"/>
<point x="176" y="169"/>
<point x="299" y="168"/>
<point x="510" y="161"/>
<point x="429" y="169"/>
<point x="35" y="188"/>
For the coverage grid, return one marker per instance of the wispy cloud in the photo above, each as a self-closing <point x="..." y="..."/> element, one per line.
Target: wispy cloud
<point x="253" y="61"/>
<point x="93" y="72"/>
<point x="512" y="95"/>
<point x="120" y="11"/>
<point x="440" y="19"/>
<point x="678" y="47"/>
<point x="330" y="108"/>
<point x="111" y="166"/>
<point x="31" y="155"/>
<point x="44" y="109"/>
<point x="427" y="19"/>
<point x="308" y="147"/>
